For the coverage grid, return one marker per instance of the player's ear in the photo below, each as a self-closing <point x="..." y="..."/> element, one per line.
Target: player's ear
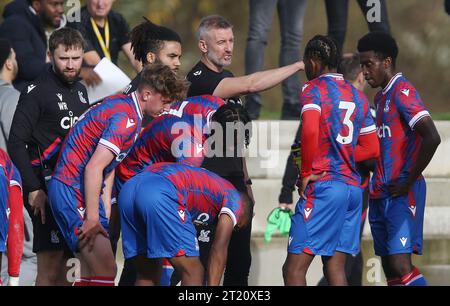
<point x="387" y="63"/>
<point x="202" y="46"/>
<point x="151" y="57"/>
<point x="50" y="55"/>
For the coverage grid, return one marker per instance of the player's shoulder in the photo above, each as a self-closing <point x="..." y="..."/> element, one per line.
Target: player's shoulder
<point x="117" y="103"/>
<point x="205" y="102"/>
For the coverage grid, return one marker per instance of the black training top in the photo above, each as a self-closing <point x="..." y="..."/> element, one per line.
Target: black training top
<point x="46" y="111"/>
<point x="203" y="82"/>
<point x="118" y="31"/>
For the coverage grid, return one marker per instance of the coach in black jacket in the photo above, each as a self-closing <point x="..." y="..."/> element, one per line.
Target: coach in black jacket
<point x="48" y="107"/>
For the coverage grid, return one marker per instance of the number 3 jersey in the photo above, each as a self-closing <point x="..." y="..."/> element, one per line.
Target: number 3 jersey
<point x="344" y="116"/>
<point x="399" y="108"/>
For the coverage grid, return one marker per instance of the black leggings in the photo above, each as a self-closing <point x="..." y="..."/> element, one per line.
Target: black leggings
<point x="337" y="11"/>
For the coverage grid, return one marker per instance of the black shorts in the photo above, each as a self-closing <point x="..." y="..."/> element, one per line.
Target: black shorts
<point x="46" y="237"/>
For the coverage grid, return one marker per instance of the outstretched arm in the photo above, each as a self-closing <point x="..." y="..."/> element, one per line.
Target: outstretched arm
<point x="255" y="82"/>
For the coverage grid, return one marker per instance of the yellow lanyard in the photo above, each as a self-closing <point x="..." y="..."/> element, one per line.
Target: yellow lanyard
<point x="103" y="45"/>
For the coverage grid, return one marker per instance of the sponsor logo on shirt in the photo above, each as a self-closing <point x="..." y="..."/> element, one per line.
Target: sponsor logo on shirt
<point x="197" y="73"/>
<point x="412" y="208"/>
<point x="384" y="131"/>
<point x="403" y="240"/>
<point x="130" y="123"/>
<point x="68" y="122"/>
<point x="405" y="92"/>
<point x="182" y="215"/>
<point x="81" y="211"/>
<point x="30" y="88"/>
<point x="307" y="211"/>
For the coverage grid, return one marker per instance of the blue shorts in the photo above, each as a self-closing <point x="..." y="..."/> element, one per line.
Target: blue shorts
<point x="153" y="221"/>
<point x="4" y="186"/>
<point x="68" y="207"/>
<point x="397" y="223"/>
<point x="328" y="221"/>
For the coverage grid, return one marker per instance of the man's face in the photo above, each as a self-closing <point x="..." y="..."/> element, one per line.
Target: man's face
<point x="170" y="55"/>
<point x="51" y="11"/>
<point x="99" y="8"/>
<point x="220" y="43"/>
<point x="373" y="68"/>
<point x="67" y="63"/>
<point x="155" y="103"/>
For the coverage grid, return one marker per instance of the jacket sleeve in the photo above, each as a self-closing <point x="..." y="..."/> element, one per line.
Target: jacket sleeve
<point x="30" y="62"/>
<point x="7" y="112"/>
<point x="24" y="123"/>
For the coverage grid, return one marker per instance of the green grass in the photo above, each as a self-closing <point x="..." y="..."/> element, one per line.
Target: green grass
<point x="441" y="116"/>
<point x="269" y="115"/>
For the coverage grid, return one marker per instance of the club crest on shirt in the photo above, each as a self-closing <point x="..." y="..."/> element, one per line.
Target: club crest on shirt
<point x="386" y="106"/>
<point x="82" y="99"/>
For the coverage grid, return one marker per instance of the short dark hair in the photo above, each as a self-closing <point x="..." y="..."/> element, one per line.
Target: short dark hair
<point x="5" y="51"/>
<point x="68" y="37"/>
<point x="149" y="37"/>
<point x="212" y="22"/>
<point x="350" y="67"/>
<point x="161" y="78"/>
<point x="382" y="43"/>
<point x="324" y="49"/>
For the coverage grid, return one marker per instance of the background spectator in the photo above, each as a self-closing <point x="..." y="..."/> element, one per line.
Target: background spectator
<point x="337" y="11"/>
<point x="27" y="25"/>
<point x="8" y="95"/>
<point x="106" y="32"/>
<point x="290" y="13"/>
